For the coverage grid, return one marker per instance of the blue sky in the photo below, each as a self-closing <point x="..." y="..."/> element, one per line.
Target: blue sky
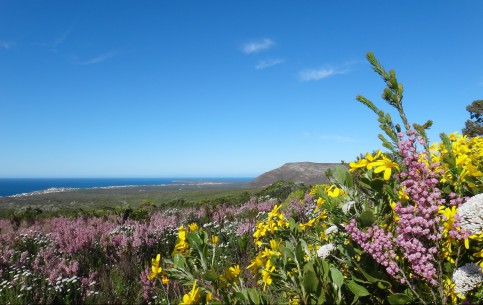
<point x="221" y="88"/>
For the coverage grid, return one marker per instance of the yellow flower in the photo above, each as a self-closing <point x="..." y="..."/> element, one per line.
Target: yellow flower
<point x="386" y="165"/>
<point x="272" y="226"/>
<point x="256" y="263"/>
<point x="234" y="271"/>
<point x="448" y="214"/>
<point x="274" y="212"/>
<point x="477" y="237"/>
<point x="367" y="162"/>
<point x="193" y="227"/>
<point x="266" y="278"/>
<point x="155" y="268"/>
<point x="323" y="215"/>
<point x="316" y="190"/>
<point x="370" y="158"/>
<point x="303" y="226"/>
<point x="359" y="164"/>
<point x="214" y="239"/>
<point x="267" y="253"/>
<point x="273" y="244"/>
<point x="402" y="194"/>
<point x="449" y="288"/>
<point x="320" y="202"/>
<point x="282" y="221"/>
<point x="209" y="297"/>
<point x="393" y="208"/>
<point x="461" y="159"/>
<point x="192" y="297"/>
<point x="182" y="233"/>
<point x="182" y="245"/>
<point x="164" y="279"/>
<point x="334" y="191"/>
<point x="295" y="300"/>
<point x="479" y="254"/>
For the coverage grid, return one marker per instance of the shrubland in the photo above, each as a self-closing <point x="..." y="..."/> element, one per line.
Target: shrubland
<point x="403" y="225"/>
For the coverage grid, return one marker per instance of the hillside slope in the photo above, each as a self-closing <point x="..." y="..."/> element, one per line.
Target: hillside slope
<point x="306" y="172"/>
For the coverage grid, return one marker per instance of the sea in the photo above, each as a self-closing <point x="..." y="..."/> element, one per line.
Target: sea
<point x="30" y="186"/>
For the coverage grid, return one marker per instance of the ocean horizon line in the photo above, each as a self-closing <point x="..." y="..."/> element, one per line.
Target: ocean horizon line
<point x="16" y="187"/>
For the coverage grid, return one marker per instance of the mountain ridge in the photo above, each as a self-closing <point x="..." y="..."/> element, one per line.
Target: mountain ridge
<point x="298" y="172"/>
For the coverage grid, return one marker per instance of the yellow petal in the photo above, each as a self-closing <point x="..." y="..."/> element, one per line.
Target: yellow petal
<point x="387" y="173"/>
<point x="379" y="169"/>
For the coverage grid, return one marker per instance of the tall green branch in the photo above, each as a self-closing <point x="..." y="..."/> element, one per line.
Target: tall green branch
<point x="393" y="95"/>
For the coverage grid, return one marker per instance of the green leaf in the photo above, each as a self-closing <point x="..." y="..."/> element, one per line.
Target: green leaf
<point x="339" y="173"/>
<point x="210" y="275"/>
<point x="325" y="270"/>
<point x="242" y="295"/>
<point x="194" y="239"/>
<point x="321" y="299"/>
<point x="310" y="281"/>
<point x="303" y="243"/>
<point x="381" y="283"/>
<point x="349" y="182"/>
<point x="299" y="254"/>
<point x="399" y="298"/>
<point x="293" y="224"/>
<point x="337" y="277"/>
<point x="367" y="218"/>
<point x="179" y="261"/>
<point x="377" y="185"/>
<point x="287" y="254"/>
<point x="253" y="296"/>
<point x="357" y="290"/>
<point x="356" y="279"/>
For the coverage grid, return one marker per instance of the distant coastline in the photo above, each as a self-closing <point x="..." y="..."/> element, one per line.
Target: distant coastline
<point x="25" y="187"/>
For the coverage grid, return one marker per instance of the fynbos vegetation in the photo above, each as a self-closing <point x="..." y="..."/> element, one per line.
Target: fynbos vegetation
<point x="397" y="226"/>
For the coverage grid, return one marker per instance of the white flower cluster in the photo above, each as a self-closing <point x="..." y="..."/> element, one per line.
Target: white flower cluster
<point x="331" y="229"/>
<point x="467" y="278"/>
<point x="471" y="213"/>
<point x="62" y="284"/>
<point x="325" y="250"/>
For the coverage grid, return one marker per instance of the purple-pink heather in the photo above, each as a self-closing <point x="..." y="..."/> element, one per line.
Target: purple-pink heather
<point x="376" y="242"/>
<point x="418" y="229"/>
<point x="59" y="249"/>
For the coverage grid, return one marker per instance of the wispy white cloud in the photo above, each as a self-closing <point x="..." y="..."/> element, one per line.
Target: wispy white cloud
<point x="328" y="71"/>
<point x="336" y="138"/>
<point x="7" y="44"/>
<point x="94" y="60"/>
<point x="257" y="46"/>
<point x="263" y="64"/>
<point x="317" y="74"/>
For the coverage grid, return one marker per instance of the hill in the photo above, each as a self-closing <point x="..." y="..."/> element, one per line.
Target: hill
<point x="305" y="172"/>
